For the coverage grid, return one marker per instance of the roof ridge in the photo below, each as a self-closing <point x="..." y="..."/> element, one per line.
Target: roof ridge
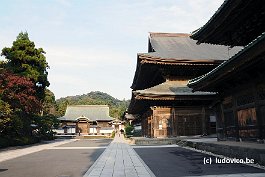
<point x="161" y="34"/>
<point x="83" y="105"/>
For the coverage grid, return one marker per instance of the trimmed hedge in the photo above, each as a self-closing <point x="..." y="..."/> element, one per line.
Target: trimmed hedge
<point x="18" y="141"/>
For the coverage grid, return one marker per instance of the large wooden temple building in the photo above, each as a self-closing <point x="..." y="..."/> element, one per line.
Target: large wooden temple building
<point x="161" y="99"/>
<point x="239" y="81"/>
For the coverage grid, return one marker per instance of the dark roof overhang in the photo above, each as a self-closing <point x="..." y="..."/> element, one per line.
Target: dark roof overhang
<point x="151" y="71"/>
<point x="142" y="100"/>
<point x="235" y="23"/>
<point x="137" y="106"/>
<point x="248" y="57"/>
<point x="146" y="75"/>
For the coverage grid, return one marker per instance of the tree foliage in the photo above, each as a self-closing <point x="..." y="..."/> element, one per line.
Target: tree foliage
<point x="18" y="103"/>
<point x="24" y="94"/>
<point x="49" y="103"/>
<point x="128" y="129"/>
<point x="19" y="93"/>
<point x="45" y="126"/>
<point x="26" y="60"/>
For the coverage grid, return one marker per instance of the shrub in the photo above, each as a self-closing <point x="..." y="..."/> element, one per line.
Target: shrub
<point x="129" y="129"/>
<point x="113" y="134"/>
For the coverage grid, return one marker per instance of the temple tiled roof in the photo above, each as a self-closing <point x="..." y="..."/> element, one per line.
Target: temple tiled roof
<point x="170" y="88"/>
<point x="91" y="112"/>
<point x="181" y="47"/>
<point x="177" y="50"/>
<point x="167" y="94"/>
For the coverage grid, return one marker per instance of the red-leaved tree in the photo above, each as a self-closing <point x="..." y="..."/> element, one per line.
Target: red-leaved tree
<point x="19" y="92"/>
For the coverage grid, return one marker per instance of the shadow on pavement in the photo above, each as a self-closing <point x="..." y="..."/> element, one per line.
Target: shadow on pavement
<point x="177" y="161"/>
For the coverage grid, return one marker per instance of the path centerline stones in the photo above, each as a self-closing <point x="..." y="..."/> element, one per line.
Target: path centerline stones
<point x="119" y="160"/>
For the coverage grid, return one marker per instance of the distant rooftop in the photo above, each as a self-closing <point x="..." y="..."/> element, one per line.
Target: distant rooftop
<point x="91" y="112"/>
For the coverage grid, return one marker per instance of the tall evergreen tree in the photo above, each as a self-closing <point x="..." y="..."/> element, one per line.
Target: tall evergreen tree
<point x="26" y="60"/>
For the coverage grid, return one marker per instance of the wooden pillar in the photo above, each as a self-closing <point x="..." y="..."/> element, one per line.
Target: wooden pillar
<point x="154" y="121"/>
<point x="204" y="132"/>
<point x="235" y="118"/>
<point x="259" y="115"/>
<point x="155" y="124"/>
<point x="149" y="125"/>
<point x="223" y="121"/>
<point x="173" y="118"/>
<point x="88" y="127"/>
<point x="143" y="127"/>
<point x="152" y="125"/>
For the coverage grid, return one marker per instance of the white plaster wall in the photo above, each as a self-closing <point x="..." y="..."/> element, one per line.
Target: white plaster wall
<point x="70" y="130"/>
<point x="92" y="130"/>
<point x="106" y="131"/>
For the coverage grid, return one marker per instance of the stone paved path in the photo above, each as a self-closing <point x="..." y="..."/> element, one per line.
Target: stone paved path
<point x="119" y="160"/>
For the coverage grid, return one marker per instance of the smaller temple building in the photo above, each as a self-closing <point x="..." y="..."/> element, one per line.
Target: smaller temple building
<point x="87" y="120"/>
<point x="118" y="125"/>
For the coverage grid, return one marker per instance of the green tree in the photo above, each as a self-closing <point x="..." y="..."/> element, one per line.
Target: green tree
<point x="26" y="60"/>
<point x="61" y="107"/>
<point x="128" y="129"/>
<point x="45" y="125"/>
<point x="5" y="114"/>
<point x="49" y="104"/>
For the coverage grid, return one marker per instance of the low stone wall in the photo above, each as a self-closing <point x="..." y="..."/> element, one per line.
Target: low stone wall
<point x="230" y="151"/>
<point x="62" y="136"/>
<point x="153" y="141"/>
<point x="95" y="137"/>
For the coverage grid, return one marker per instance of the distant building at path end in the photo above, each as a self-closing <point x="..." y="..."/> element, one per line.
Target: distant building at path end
<point x="87" y="120"/>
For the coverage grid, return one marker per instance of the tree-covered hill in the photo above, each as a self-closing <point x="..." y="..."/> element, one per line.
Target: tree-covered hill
<point x="117" y="107"/>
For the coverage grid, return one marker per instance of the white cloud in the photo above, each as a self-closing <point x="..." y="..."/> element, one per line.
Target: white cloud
<point x="88" y="58"/>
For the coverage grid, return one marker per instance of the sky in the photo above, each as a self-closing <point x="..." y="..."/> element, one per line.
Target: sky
<point x="91" y="45"/>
